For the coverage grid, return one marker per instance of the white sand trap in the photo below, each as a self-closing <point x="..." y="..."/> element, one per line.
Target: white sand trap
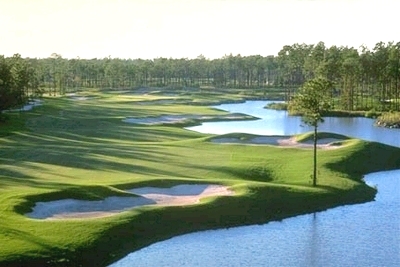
<point x="323" y="143"/>
<point x="173" y="119"/>
<point x="181" y="194"/>
<point x="163" y="101"/>
<point x="80" y="98"/>
<point x="284" y="141"/>
<point x="175" y="196"/>
<point x="73" y="208"/>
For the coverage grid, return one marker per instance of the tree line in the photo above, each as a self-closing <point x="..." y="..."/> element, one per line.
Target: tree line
<point x="364" y="78"/>
<point x="18" y="80"/>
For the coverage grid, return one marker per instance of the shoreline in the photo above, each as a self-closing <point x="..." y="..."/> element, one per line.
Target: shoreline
<point x="178" y="220"/>
<point x="255" y="202"/>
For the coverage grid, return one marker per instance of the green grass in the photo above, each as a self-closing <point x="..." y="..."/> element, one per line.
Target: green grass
<point x="277" y="106"/>
<point x="83" y="150"/>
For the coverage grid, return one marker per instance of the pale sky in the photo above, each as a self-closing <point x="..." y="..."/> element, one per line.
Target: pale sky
<point x="150" y="29"/>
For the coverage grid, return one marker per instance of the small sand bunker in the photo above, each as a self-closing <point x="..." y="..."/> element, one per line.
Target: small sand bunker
<point x="323" y="143"/>
<point x="80" y="98"/>
<point x="166" y="119"/>
<point x="175" y="196"/>
<point x="177" y="119"/>
<point x="76" y="97"/>
<point x="284" y="141"/>
<point x="169" y="101"/>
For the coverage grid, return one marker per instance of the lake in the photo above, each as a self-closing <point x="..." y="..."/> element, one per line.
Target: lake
<point x="277" y="122"/>
<point x="366" y="234"/>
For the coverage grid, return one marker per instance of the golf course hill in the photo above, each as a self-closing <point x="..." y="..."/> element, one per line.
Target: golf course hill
<point x="81" y="187"/>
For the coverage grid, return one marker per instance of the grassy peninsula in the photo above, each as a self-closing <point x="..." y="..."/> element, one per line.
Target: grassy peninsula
<point x="82" y="149"/>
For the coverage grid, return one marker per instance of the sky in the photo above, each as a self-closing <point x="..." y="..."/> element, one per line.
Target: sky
<point x="151" y="29"/>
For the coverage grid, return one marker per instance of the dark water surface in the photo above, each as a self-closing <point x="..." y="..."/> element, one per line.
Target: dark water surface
<point x="355" y="235"/>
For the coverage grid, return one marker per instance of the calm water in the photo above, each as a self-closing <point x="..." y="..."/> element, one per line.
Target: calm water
<point x="356" y="235"/>
<point x="276" y="122"/>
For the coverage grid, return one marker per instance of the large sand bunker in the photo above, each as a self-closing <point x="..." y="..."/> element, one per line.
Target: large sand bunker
<point x="179" y="195"/>
<point x="283" y="141"/>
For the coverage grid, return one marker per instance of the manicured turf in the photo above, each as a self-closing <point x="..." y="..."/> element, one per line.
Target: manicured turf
<point x="83" y="150"/>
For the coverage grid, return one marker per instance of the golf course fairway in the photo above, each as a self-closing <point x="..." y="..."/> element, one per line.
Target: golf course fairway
<point x="85" y="150"/>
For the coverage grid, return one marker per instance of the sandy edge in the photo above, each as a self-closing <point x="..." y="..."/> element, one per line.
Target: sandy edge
<point x="282" y="141"/>
<point x="180" y="195"/>
<point x="173" y="119"/>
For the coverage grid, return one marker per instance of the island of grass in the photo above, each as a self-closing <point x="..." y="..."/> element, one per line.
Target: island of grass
<point x="83" y="150"/>
<point x="389" y="120"/>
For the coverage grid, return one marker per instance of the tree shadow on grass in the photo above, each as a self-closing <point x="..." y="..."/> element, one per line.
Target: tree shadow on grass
<point x="13" y="178"/>
<point x="38" y="242"/>
<point x="82" y="153"/>
<point x="256" y="173"/>
<point x="26" y="236"/>
<point x="371" y="158"/>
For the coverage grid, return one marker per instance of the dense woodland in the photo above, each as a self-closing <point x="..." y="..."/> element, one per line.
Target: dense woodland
<point x="364" y="78"/>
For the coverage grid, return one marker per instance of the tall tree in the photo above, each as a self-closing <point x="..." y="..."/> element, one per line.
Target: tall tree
<point x="350" y="77"/>
<point x="311" y="101"/>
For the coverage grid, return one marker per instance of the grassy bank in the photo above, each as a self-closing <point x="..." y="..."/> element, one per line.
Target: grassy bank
<point x="330" y="113"/>
<point x="389" y="120"/>
<point x="83" y="150"/>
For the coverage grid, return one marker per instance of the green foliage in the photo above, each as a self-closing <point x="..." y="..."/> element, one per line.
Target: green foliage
<point x="18" y="81"/>
<point x="373" y="114"/>
<point x="277" y="106"/>
<point x="364" y="79"/>
<point x="312" y="100"/>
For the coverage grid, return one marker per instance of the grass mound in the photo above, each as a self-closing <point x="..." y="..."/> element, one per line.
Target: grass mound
<point x="320" y="135"/>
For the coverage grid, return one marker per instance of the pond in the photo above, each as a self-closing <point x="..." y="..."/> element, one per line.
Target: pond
<point x="277" y="122"/>
<point x="355" y="235"/>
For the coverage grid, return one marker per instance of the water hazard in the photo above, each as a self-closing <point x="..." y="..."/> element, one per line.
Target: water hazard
<point x="277" y="122"/>
<point x="355" y="235"/>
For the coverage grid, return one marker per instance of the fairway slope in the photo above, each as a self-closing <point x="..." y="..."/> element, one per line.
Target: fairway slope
<point x="83" y="151"/>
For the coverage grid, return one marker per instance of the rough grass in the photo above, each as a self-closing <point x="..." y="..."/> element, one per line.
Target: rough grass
<point x="83" y="150"/>
<point x="389" y="119"/>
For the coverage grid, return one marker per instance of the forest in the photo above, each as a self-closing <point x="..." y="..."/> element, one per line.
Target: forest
<point x="365" y="79"/>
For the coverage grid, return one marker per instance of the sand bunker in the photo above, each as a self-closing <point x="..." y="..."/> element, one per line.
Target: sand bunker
<point x="80" y="98"/>
<point x="76" y="97"/>
<point x="167" y="119"/>
<point x="284" y="141"/>
<point x="162" y="102"/>
<point x="175" y="196"/>
<point x="175" y="119"/>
